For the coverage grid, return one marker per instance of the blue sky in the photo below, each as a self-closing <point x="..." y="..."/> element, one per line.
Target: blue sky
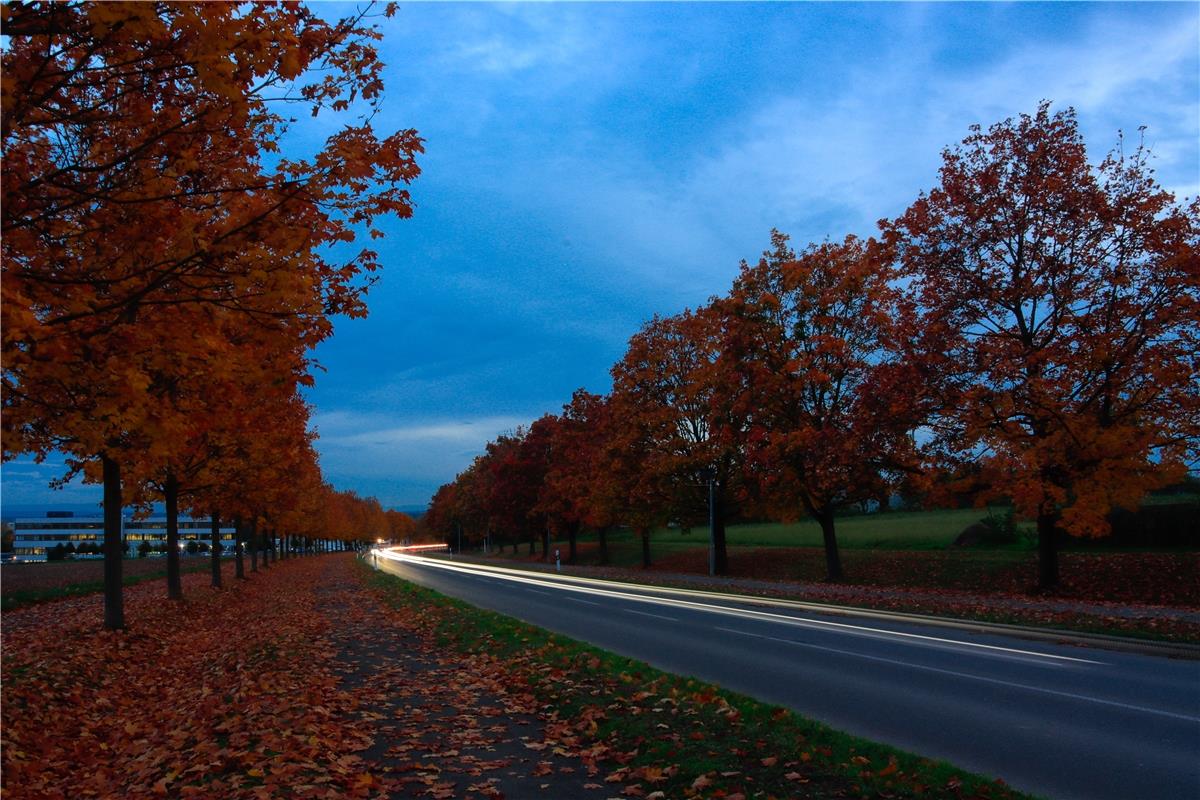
<point x="589" y="165"/>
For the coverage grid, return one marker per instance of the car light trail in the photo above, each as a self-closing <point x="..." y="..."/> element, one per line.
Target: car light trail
<point x="638" y="594"/>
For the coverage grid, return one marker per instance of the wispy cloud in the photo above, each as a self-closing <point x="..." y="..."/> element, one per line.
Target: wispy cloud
<point x="820" y="167"/>
<point x="355" y="447"/>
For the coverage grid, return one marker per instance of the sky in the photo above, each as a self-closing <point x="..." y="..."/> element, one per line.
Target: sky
<point x="590" y="165"/>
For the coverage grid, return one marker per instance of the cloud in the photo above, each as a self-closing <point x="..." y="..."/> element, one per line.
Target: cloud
<point x="866" y="154"/>
<point x="27" y="482"/>
<point x="828" y="161"/>
<point x="356" y="446"/>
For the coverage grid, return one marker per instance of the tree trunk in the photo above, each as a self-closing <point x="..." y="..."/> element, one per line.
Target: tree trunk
<point x="645" y="547"/>
<point x="572" y="535"/>
<point x="532" y="544"/>
<point x="253" y="541"/>
<point x="215" y="530"/>
<point x="239" y="562"/>
<point x="603" y="536"/>
<point x="546" y="542"/>
<point x="1047" y="550"/>
<point x="833" y="560"/>
<point x="720" y="550"/>
<point x="114" y="547"/>
<point x="264" y="542"/>
<point x="171" y="498"/>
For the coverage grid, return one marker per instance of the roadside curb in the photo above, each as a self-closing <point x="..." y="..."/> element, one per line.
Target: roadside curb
<point x="1178" y="650"/>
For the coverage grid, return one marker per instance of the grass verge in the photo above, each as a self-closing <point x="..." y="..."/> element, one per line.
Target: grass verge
<point x="671" y="736"/>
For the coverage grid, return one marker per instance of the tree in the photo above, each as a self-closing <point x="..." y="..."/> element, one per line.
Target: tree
<point x="577" y="490"/>
<point x="814" y="339"/>
<point x="142" y="176"/>
<point x="672" y="391"/>
<point x="1068" y="301"/>
<point x="536" y="456"/>
<point x="515" y="472"/>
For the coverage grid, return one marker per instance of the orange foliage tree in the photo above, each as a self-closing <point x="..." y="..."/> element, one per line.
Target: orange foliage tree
<point x="1068" y="303"/>
<point x="813" y="340"/>
<point x="577" y="490"/>
<point x="678" y="403"/>
<point x="143" y="176"/>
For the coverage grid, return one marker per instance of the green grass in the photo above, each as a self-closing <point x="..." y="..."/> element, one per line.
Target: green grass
<point x="893" y="530"/>
<point x="670" y="721"/>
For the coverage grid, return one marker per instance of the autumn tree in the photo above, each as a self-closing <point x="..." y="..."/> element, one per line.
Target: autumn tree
<point x="400" y="526"/>
<point x="577" y="490"/>
<point x="516" y="466"/>
<point x="142" y="172"/>
<point x="672" y="390"/>
<point x="537" y="453"/>
<point x="1068" y="299"/>
<point x="815" y="340"/>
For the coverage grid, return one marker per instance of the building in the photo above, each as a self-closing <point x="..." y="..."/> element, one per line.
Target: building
<point x="32" y="538"/>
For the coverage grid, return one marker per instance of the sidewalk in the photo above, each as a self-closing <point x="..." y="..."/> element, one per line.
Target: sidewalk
<point x="442" y="727"/>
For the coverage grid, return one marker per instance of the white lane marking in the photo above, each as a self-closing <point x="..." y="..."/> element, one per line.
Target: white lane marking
<point x="648" y="614"/>
<point x="966" y="675"/>
<point x="786" y="619"/>
<point x="538" y="591"/>
<point x="580" y="600"/>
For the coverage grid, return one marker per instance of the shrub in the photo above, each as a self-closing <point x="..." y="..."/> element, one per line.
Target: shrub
<point x="1003" y="529"/>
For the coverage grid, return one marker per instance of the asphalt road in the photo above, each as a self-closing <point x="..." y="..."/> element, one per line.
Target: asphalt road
<point x="1056" y="720"/>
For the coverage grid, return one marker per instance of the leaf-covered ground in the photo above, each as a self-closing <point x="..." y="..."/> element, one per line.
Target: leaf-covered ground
<point x="303" y="682"/>
<point x="1171" y="579"/>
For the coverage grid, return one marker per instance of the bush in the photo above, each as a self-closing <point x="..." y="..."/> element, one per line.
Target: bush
<point x="192" y="547"/>
<point x="1003" y="529"/>
<point x="56" y="553"/>
<point x="203" y="547"/>
<point x="143" y="549"/>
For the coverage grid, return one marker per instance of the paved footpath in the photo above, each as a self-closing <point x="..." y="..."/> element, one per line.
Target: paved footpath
<point x="443" y="728"/>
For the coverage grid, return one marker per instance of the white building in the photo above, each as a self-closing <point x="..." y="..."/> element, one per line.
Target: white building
<point x="33" y="537"/>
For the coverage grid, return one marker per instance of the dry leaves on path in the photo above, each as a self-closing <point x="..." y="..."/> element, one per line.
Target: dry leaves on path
<point x="291" y="684"/>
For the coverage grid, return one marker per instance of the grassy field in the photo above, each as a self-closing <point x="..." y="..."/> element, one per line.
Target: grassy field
<point x="898" y="530"/>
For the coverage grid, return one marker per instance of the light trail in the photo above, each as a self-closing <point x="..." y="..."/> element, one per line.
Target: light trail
<point x="638" y="594"/>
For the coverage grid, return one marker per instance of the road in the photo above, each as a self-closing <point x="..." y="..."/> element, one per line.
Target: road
<point x="1056" y="720"/>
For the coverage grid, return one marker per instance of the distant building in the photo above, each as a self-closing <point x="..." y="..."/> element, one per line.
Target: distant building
<point x="34" y="536"/>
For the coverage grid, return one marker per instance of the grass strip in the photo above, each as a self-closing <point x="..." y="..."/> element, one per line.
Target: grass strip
<point x="673" y="736"/>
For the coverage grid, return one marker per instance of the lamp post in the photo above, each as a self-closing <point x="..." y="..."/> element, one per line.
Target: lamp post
<point x="709" y="475"/>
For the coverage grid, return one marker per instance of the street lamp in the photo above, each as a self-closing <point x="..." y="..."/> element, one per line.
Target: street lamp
<point x="709" y="475"/>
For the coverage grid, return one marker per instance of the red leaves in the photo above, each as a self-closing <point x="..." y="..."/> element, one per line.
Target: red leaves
<point x="166" y="280"/>
<point x="203" y="709"/>
<point x="1064" y="320"/>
